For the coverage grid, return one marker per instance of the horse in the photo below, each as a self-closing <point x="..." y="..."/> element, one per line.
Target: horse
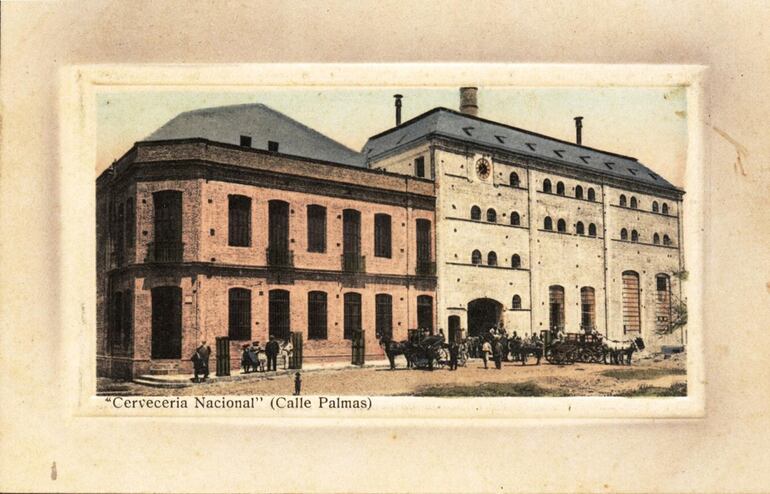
<point x="395" y="348"/>
<point x="521" y="349"/>
<point x="620" y="352"/>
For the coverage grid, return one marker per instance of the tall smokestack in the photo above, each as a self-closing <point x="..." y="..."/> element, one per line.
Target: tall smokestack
<point x="468" y="104"/>
<point x="398" y="108"/>
<point x="579" y="130"/>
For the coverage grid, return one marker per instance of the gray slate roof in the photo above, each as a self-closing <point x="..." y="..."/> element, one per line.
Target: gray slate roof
<point x="449" y="123"/>
<point x="227" y="123"/>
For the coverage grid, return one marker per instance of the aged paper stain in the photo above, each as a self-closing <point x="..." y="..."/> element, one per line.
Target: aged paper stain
<point x="740" y="149"/>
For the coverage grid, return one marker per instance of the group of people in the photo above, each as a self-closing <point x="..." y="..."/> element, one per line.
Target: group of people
<point x="251" y="355"/>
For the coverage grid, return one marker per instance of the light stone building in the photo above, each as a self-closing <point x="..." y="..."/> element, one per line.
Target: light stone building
<point x="537" y="233"/>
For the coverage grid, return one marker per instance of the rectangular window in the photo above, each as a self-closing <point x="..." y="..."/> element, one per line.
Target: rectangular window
<point x="382" y="238"/>
<point x="587" y="308"/>
<point x="631" y="302"/>
<point x="316" y="316"/>
<point x="168" y="225"/>
<point x="246" y="141"/>
<point x="352" y="314"/>
<point x="279" y="315"/>
<point x="425" y="312"/>
<point x="316" y="228"/>
<point x="384" y="315"/>
<point x="239" y="327"/>
<point x="239" y="221"/>
<point x="423" y="240"/>
<point x="272" y="146"/>
<point x="419" y="167"/>
<point x="128" y="321"/>
<point x="556" y="307"/>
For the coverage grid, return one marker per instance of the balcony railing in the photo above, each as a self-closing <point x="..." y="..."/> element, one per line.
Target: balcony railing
<point x="426" y="268"/>
<point x="280" y="258"/>
<point x="354" y="263"/>
<point x="165" y="251"/>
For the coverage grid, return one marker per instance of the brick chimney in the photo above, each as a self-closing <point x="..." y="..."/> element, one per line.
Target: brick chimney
<point x="398" y="108"/>
<point x="579" y="130"/>
<point x="468" y="103"/>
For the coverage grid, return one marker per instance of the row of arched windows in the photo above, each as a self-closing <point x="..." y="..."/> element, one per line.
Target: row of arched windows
<point x="561" y="227"/>
<point x="560" y="190"/>
<point x="492" y="216"/>
<point x="656" y="239"/>
<point x="492" y="259"/>
<point x="633" y="203"/>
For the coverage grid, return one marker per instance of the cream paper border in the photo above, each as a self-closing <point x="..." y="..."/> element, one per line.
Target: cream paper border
<point x="79" y="87"/>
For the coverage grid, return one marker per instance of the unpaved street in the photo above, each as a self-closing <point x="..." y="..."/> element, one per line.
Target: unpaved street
<point x="512" y="380"/>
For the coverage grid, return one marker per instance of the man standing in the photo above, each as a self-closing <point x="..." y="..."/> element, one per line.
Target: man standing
<point x="486" y="349"/>
<point x="200" y="361"/>
<point x="272" y="349"/>
<point x="497" y="353"/>
<point x="453" y="351"/>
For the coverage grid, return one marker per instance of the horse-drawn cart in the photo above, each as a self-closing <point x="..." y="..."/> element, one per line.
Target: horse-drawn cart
<point x="573" y="347"/>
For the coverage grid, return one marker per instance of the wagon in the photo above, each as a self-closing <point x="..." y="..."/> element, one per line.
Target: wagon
<point x="574" y="347"/>
<point x="429" y="352"/>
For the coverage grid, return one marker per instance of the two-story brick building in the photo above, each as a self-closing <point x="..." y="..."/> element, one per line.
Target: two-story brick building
<point x="240" y="222"/>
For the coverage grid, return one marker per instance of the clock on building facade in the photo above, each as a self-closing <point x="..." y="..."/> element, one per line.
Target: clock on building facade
<point x="483" y="168"/>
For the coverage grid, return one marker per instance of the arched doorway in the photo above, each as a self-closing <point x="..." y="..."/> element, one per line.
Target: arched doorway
<point x="454" y="328"/>
<point x="483" y="314"/>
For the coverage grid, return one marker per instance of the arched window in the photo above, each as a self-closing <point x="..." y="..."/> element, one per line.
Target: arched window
<point x="383" y="315"/>
<point x="561" y="226"/>
<point x="475" y="213"/>
<point x="592" y="230"/>
<point x="547" y="186"/>
<point x="655" y="208"/>
<point x="515" y="261"/>
<point x="666" y="240"/>
<point x="476" y="257"/>
<point x="634" y="203"/>
<point x="579" y="192"/>
<point x="491" y="215"/>
<point x="556" y="307"/>
<point x="579" y="228"/>
<point x="623" y="234"/>
<point x="548" y="223"/>
<point x="560" y="188"/>
<point x="664" y="208"/>
<point x="514" y="179"/>
<point x="516" y="302"/>
<point x="634" y="236"/>
<point x="492" y="259"/>
<point x="656" y="239"/>
<point x="515" y="219"/>
<point x="631" y="302"/>
<point x="591" y="194"/>
<point x="587" y="308"/>
<point x="622" y="200"/>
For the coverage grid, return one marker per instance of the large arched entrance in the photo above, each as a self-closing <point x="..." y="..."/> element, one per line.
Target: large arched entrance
<point x="483" y="314"/>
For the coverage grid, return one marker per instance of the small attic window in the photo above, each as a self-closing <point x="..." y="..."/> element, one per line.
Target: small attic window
<point x="272" y="146"/>
<point x="246" y="141"/>
<point x="653" y="176"/>
<point x="559" y="152"/>
<point x="500" y="139"/>
<point x="585" y="159"/>
<point x="468" y="130"/>
<point x="632" y="171"/>
<point x="530" y="146"/>
<point x="608" y="164"/>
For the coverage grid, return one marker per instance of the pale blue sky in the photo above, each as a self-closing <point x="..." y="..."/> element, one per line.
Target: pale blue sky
<point x="648" y="123"/>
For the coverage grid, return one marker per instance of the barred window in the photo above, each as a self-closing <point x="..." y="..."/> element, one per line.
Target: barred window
<point x="579" y="192"/>
<point x="623" y="234"/>
<point x="664" y="208"/>
<point x="655" y="207"/>
<point x="515" y="219"/>
<point x="516" y="302"/>
<point x="239" y="326"/>
<point x="622" y="200"/>
<point x="515" y="261"/>
<point x="316" y="228"/>
<point x="239" y="221"/>
<point x="592" y="230"/>
<point x="492" y="258"/>
<point x="425" y="312"/>
<point x="561" y="226"/>
<point x="634" y="236"/>
<point x="587" y="308"/>
<point x="352" y="314"/>
<point x="419" y="167"/>
<point x="476" y="257"/>
<point x="560" y="188"/>
<point x="382" y="238"/>
<point x="547" y="186"/>
<point x="579" y="228"/>
<point x="475" y="213"/>
<point x="634" y="203"/>
<point x="548" y="223"/>
<point x="491" y="215"/>
<point x="279" y="314"/>
<point x="317" y="316"/>
<point x="591" y="194"/>
<point x="423" y="237"/>
<point x="384" y="315"/>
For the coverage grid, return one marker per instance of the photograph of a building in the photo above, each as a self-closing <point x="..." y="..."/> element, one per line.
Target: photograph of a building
<point x="240" y="221"/>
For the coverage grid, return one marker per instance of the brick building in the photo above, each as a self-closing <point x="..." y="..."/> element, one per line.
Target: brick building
<point x="239" y="221"/>
<point x="540" y="233"/>
<point x="199" y="238"/>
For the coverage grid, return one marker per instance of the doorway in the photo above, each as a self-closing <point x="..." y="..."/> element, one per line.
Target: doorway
<point x="483" y="314"/>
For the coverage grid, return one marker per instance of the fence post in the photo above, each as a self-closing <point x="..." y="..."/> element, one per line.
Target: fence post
<point x="295" y="362"/>
<point x="223" y="356"/>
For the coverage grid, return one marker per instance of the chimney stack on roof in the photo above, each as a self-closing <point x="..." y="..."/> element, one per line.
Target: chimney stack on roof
<point x="468" y="103"/>
<point x="398" y="108"/>
<point x="579" y="131"/>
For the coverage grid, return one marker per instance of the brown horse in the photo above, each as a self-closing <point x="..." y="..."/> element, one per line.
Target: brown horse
<point x="395" y="348"/>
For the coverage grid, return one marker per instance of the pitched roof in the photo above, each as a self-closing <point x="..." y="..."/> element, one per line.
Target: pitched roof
<point x="226" y="124"/>
<point x="444" y="122"/>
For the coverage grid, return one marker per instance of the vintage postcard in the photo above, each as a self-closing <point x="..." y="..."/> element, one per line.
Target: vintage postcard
<point x="355" y="246"/>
